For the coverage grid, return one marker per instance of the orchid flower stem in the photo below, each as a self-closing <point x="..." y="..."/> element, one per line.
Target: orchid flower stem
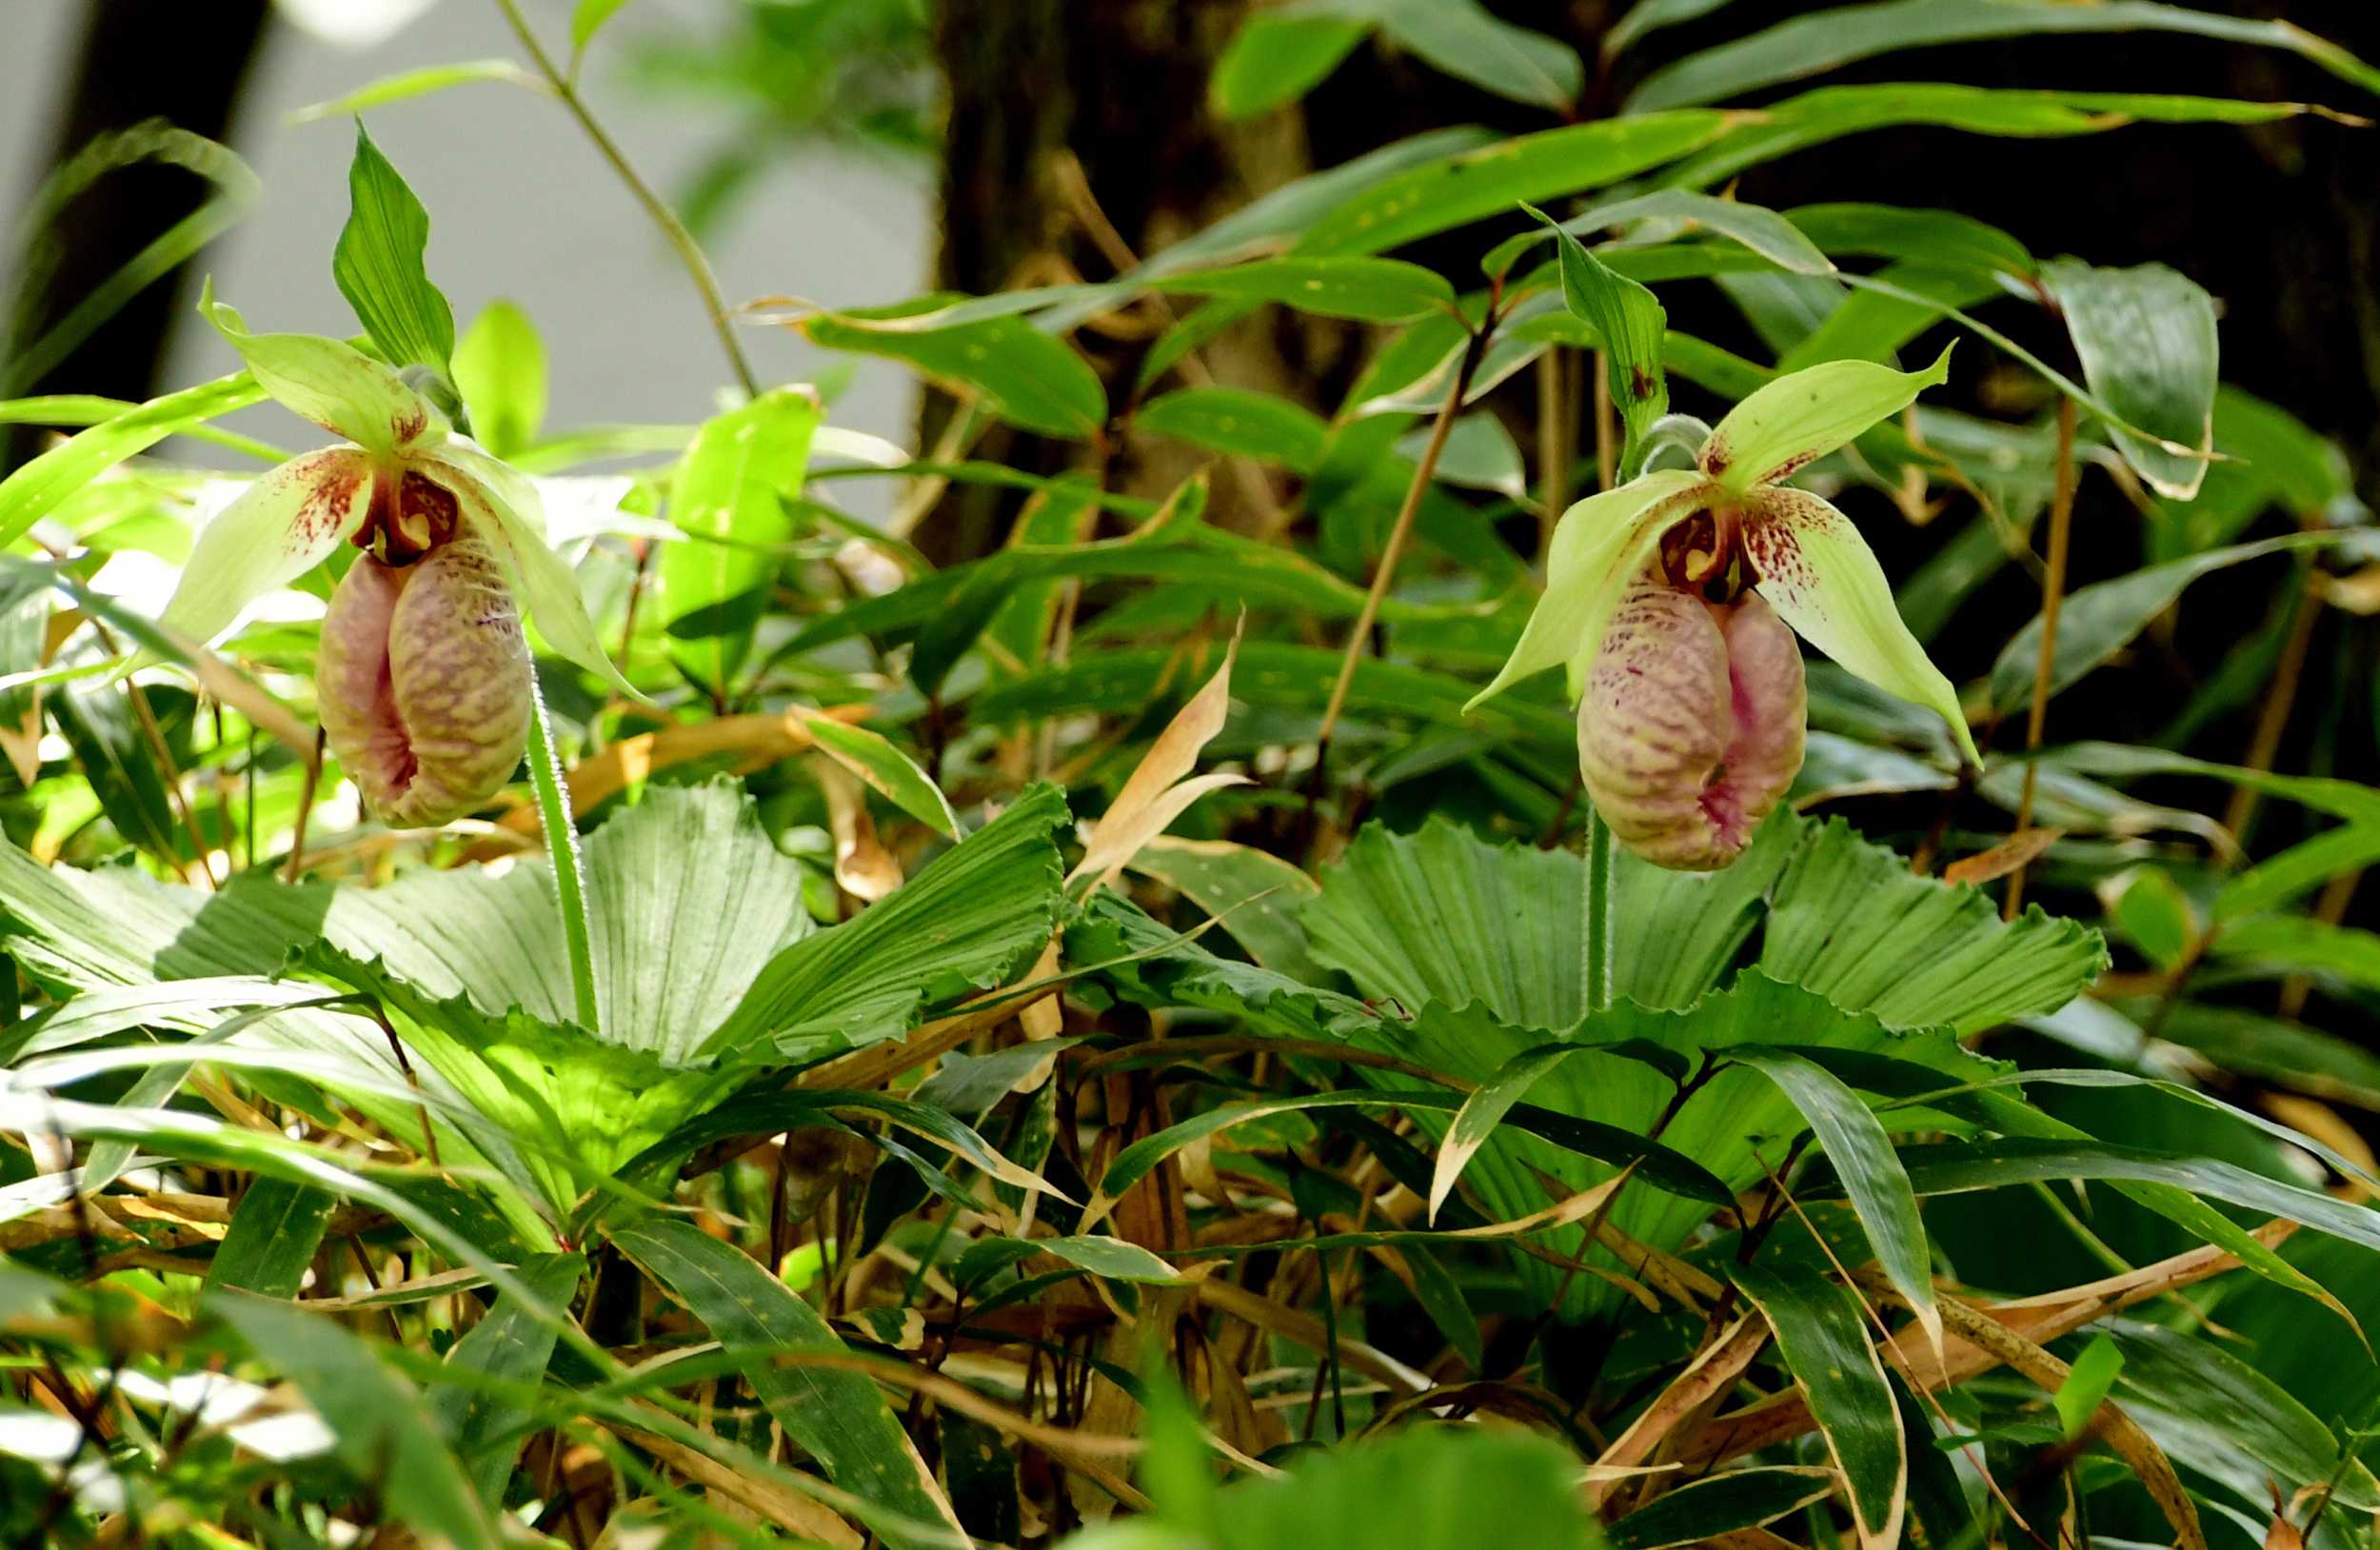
<point x="1595" y="948"/>
<point x="689" y="252"/>
<point x="562" y="841"/>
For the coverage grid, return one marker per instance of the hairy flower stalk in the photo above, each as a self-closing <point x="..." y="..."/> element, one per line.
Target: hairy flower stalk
<point x="1673" y="601"/>
<point x="422" y="676"/>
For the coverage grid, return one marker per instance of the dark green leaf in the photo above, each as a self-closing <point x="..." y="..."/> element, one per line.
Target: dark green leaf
<point x="274" y="1234"/>
<point x="2098" y="620"/>
<point x="1870" y="1173"/>
<point x="2215" y="1412"/>
<point x="1711" y="1508"/>
<point x="839" y="1418"/>
<point x="1026" y="377"/>
<point x="1657" y="1165"/>
<point x="510" y="1345"/>
<point x="1365" y="290"/>
<point x="1463" y="39"/>
<point x="1950" y="1168"/>
<point x="1831" y="113"/>
<point x="2147" y="339"/>
<point x="1822" y="1332"/>
<point x="1826" y="40"/>
<point x="1938" y="237"/>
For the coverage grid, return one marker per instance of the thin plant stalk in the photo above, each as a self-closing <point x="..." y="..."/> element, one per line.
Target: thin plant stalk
<point x="1606" y="436"/>
<point x="2279" y="701"/>
<point x="306" y="810"/>
<point x="1556" y="431"/>
<point x="1596" y="925"/>
<point x="1423" y="472"/>
<point x="2053" y="600"/>
<point x="2331" y="908"/>
<point x="1595" y="945"/>
<point x="689" y="252"/>
<point x="562" y="843"/>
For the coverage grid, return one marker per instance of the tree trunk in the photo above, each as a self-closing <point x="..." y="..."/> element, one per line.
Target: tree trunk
<point x="139" y="62"/>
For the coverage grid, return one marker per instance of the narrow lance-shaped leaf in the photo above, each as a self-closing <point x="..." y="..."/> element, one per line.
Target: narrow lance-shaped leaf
<point x="839" y="1418"/>
<point x="1708" y="1510"/>
<point x="508" y="1344"/>
<point x="379" y="263"/>
<point x="1487" y="1106"/>
<point x="1027" y="377"/>
<point x="43" y="485"/>
<point x="1462" y="38"/>
<point x="2098" y="620"/>
<point x="2148" y="342"/>
<point x="1632" y="323"/>
<point x="1655" y="1165"/>
<point x="889" y="771"/>
<point x="1826" y="40"/>
<point x="2086" y="1383"/>
<point x="274" y="1234"/>
<point x="1873" y="1178"/>
<point x="1821" y="1333"/>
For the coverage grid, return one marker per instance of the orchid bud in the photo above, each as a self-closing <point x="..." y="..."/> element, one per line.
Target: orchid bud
<point x="423" y="683"/>
<point x="1690" y="731"/>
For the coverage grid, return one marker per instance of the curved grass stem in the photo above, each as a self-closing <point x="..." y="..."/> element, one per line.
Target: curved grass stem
<point x="2045" y="667"/>
<point x="1424" y="469"/>
<point x="689" y="252"/>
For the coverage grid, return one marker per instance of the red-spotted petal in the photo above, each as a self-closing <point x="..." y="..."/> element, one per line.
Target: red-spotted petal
<point x="279" y="529"/>
<point x="1822" y="579"/>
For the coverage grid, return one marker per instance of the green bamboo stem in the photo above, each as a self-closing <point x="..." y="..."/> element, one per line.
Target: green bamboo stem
<point x="562" y="843"/>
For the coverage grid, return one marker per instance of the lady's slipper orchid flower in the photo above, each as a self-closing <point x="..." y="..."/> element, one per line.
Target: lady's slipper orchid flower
<point x="1663" y="599"/>
<point x="424" y="674"/>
